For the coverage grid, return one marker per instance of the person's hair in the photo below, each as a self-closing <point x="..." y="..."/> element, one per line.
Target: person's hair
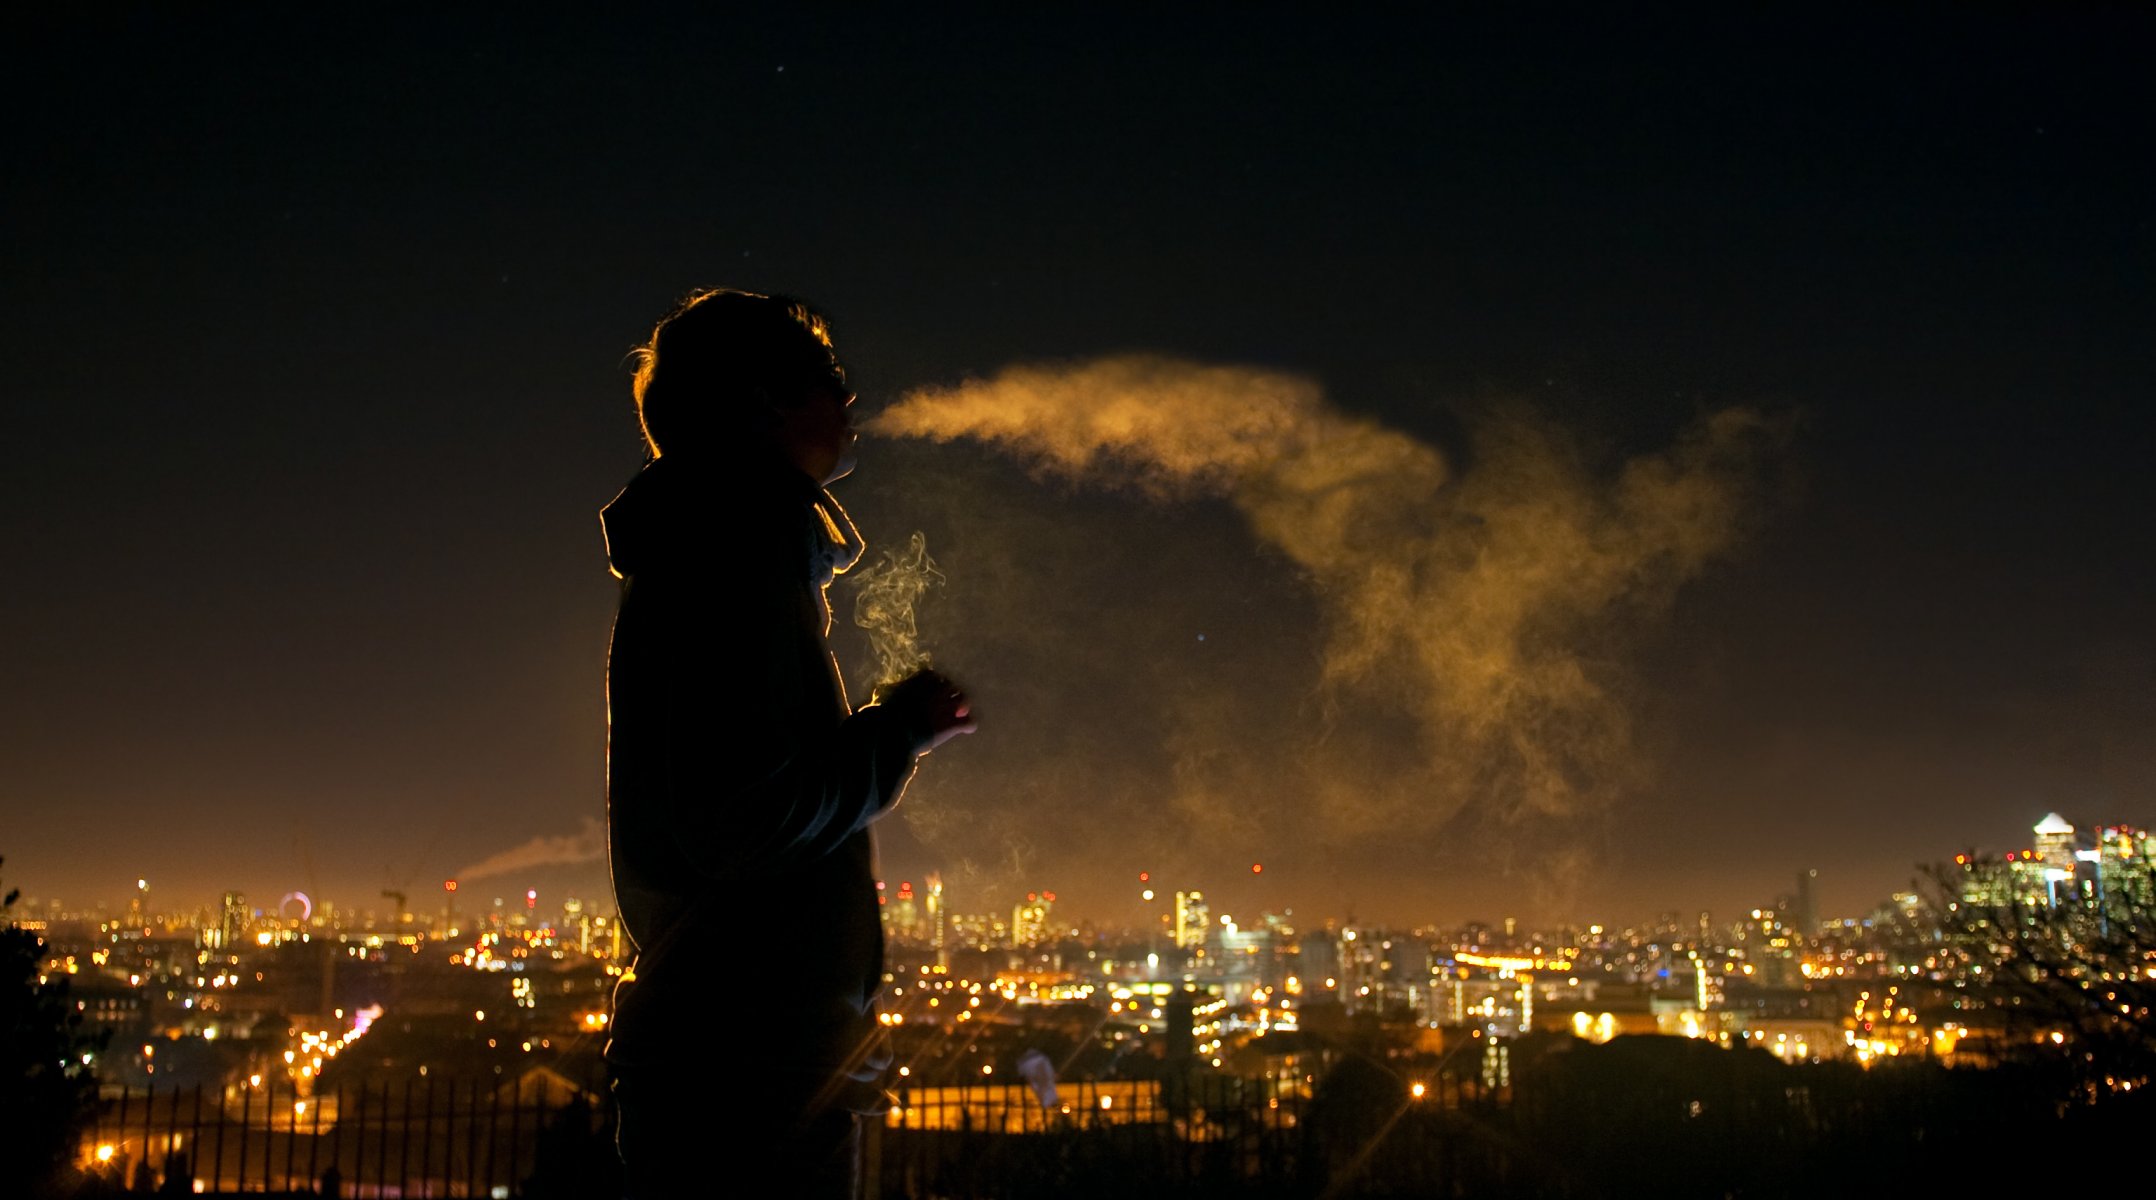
<point x="721" y="366"/>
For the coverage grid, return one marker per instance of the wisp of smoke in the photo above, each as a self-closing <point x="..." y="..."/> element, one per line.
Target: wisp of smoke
<point x="1468" y="619"/>
<point x="586" y="845"/>
<point x="885" y="596"/>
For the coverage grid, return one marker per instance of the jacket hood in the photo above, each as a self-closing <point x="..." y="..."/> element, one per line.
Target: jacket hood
<point x="676" y="510"/>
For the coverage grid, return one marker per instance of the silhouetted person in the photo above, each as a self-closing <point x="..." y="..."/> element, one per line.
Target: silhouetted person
<point x="740" y="784"/>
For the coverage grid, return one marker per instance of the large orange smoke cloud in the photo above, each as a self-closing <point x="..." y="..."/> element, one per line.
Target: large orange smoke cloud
<point x="1471" y="648"/>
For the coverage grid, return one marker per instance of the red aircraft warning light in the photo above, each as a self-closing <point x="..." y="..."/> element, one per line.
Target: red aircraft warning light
<point x="1257" y="868"/>
<point x="449" y="885"/>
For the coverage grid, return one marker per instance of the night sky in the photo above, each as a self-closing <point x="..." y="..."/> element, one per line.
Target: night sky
<point x="313" y="355"/>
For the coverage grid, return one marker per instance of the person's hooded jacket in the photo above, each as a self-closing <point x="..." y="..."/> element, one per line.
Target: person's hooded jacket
<point x="739" y="785"/>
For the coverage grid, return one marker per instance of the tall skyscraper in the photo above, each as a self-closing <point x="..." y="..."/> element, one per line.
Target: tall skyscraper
<point x="1807" y="906"/>
<point x="1193" y="919"/>
<point x="938" y="920"/>
<point x="231" y="921"/>
<point x="574" y="924"/>
<point x="902" y="916"/>
<point x="2125" y="873"/>
<point x="2055" y="842"/>
<point x="2055" y="850"/>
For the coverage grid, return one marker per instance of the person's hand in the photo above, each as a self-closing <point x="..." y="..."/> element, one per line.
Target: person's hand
<point x="931" y="702"/>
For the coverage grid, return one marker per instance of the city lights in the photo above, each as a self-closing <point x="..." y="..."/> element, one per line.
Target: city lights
<point x="967" y="992"/>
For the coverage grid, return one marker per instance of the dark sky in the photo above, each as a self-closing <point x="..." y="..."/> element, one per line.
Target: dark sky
<point x="313" y="351"/>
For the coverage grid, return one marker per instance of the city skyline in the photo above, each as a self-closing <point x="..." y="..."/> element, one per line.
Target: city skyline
<point x="1149" y="901"/>
<point x="372" y="1053"/>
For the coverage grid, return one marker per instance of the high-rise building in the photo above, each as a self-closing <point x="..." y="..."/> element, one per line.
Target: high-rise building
<point x="902" y="914"/>
<point x="1807" y="904"/>
<point x="1029" y="921"/>
<point x="2055" y="853"/>
<point x="2028" y="881"/>
<point x="1770" y="949"/>
<point x="231" y="927"/>
<point x="2125" y="872"/>
<point x="1193" y="920"/>
<point x="1984" y="884"/>
<point x="575" y="924"/>
<point x="938" y="921"/>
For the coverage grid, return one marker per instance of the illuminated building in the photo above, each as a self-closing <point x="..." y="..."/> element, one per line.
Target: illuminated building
<point x="1771" y="950"/>
<point x="2125" y="880"/>
<point x="1029" y="921"/>
<point x="1384" y="973"/>
<point x="2055" y="853"/>
<point x="979" y="931"/>
<point x="1252" y="955"/>
<point x="938" y="920"/>
<point x="902" y="916"/>
<point x="1983" y="884"/>
<point x="2055" y="842"/>
<point x="1193" y="920"/>
<point x="573" y="921"/>
<point x="1317" y="962"/>
<point x="231" y="928"/>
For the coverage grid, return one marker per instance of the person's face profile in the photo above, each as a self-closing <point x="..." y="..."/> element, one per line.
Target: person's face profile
<point x="818" y="430"/>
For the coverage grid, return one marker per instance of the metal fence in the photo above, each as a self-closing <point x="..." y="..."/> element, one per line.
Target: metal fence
<point x="1607" y="1126"/>
<point x="418" y="1138"/>
<point x="545" y="1135"/>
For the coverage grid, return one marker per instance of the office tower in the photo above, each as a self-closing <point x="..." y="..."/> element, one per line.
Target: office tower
<point x="2125" y="874"/>
<point x="2055" y="842"/>
<point x="2055" y="851"/>
<point x="1192" y="920"/>
<point x="938" y="919"/>
<point x="231" y="922"/>
<point x="1029" y="921"/>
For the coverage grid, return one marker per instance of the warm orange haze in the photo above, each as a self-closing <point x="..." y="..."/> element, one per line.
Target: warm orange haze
<point x="1547" y="608"/>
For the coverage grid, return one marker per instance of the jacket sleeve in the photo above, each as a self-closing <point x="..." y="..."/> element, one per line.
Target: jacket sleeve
<point x="808" y="801"/>
<point x="770" y="769"/>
